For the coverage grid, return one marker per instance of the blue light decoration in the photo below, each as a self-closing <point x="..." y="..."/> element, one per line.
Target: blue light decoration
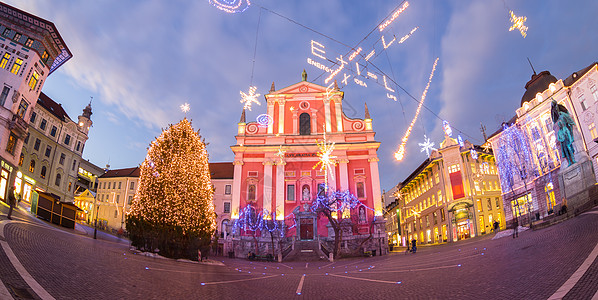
<point x="460" y="140"/>
<point x="264" y="120"/>
<point x="514" y="157"/>
<point x="447" y="128"/>
<point x="231" y="6"/>
<point x="337" y="201"/>
<point x="474" y="153"/>
<point x="254" y="219"/>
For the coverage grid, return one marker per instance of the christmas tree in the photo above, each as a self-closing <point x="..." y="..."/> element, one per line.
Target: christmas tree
<point x="173" y="209"/>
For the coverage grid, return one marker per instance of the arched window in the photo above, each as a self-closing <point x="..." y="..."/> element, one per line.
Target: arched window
<point x="58" y="178"/>
<point x="42" y="174"/>
<point x="21" y="158"/>
<point x="304" y="124"/>
<point x="32" y="166"/>
<point x="224" y="225"/>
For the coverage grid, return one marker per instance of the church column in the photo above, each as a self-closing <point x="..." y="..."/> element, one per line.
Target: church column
<point x="281" y="115"/>
<point x="327" y="114"/>
<point x="343" y="174"/>
<point x="339" y="119"/>
<point x="295" y="122"/>
<point x="268" y="181"/>
<point x="332" y="179"/>
<point x="314" y="121"/>
<point x="376" y="185"/>
<point x="280" y="189"/>
<point x="237" y="177"/>
<point x="271" y="114"/>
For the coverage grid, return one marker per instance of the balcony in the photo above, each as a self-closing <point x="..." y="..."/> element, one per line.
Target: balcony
<point x="19" y="126"/>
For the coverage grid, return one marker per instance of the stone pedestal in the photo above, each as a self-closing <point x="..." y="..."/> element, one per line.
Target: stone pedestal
<point x="575" y="182"/>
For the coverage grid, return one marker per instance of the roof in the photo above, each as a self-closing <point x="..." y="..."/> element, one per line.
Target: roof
<point x="128" y="172"/>
<point x="222" y="170"/>
<point x="569" y="81"/>
<point x="51" y="106"/>
<point x="538" y="84"/>
<point x="25" y="19"/>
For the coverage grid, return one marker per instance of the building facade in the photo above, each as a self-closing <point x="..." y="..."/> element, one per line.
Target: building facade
<point x="31" y="48"/>
<point x="116" y="189"/>
<point x="87" y="176"/>
<point x="536" y="182"/>
<point x="222" y="180"/>
<point x="52" y="150"/>
<point x="274" y="165"/>
<point x="453" y="195"/>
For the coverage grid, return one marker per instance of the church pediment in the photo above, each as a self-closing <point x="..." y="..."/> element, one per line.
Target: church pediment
<point x="302" y="87"/>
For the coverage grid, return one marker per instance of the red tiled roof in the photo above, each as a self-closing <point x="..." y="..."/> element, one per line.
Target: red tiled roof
<point x="128" y="172"/>
<point x="222" y="170"/>
<point x="51" y="106"/>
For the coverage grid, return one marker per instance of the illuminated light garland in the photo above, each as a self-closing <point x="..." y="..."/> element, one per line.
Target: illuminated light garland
<point x="474" y="153"/>
<point x="394" y="16"/>
<point x="342" y="66"/>
<point x="338" y="202"/>
<point x="352" y="56"/>
<point x="264" y="120"/>
<point x="372" y="75"/>
<point x="185" y="107"/>
<point x="460" y="141"/>
<point x="386" y="84"/>
<point x="345" y="77"/>
<point x="513" y="157"/>
<point x="254" y="219"/>
<point x="390" y="96"/>
<point x="385" y="45"/>
<point x="318" y="65"/>
<point x="404" y="38"/>
<point x="231" y="6"/>
<point x="427" y="146"/>
<point x="359" y="82"/>
<point x="250" y="97"/>
<point x="316" y="51"/>
<point x="358" y="69"/>
<point x="518" y="24"/>
<point x="370" y="55"/>
<point x="401" y="151"/>
<point x="447" y="128"/>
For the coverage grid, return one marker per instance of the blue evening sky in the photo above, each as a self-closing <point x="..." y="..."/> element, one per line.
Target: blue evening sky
<point x="140" y="60"/>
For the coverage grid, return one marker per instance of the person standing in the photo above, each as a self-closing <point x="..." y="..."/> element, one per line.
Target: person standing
<point x="12" y="201"/>
<point x="515" y="227"/>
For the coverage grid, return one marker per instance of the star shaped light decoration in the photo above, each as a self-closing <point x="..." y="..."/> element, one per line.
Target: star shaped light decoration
<point x="427" y="146"/>
<point x="518" y="23"/>
<point x="280" y="154"/>
<point x="249" y="98"/>
<point x="487" y="147"/>
<point x="326" y="159"/>
<point x="185" y="107"/>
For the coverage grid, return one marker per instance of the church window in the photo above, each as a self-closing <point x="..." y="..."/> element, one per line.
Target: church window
<point x="251" y="192"/>
<point x="360" y="187"/>
<point x="304" y="124"/>
<point x="291" y="192"/>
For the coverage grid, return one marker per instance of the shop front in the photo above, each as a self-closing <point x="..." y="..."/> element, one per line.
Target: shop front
<point x="24" y="185"/>
<point x="5" y="171"/>
<point x="462" y="221"/>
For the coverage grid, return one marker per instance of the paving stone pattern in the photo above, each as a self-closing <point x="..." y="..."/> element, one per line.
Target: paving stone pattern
<point x="72" y="265"/>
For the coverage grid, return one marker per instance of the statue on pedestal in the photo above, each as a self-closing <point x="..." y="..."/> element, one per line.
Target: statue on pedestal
<point x="563" y="127"/>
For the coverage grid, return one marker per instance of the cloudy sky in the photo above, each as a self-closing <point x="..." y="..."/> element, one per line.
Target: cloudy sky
<point x="140" y="60"/>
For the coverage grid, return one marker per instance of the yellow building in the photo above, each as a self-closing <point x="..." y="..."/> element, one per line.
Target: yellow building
<point x="453" y="195"/>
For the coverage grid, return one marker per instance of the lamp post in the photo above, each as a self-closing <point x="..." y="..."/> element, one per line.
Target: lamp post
<point x="95" y="222"/>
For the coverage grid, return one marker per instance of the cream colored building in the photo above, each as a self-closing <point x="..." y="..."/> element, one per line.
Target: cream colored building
<point x="51" y="154"/>
<point x="30" y="49"/>
<point x="222" y="180"/>
<point x="116" y="189"/>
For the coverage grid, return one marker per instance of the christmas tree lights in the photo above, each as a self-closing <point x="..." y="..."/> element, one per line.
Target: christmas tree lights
<point x="401" y="151"/>
<point x="175" y="188"/>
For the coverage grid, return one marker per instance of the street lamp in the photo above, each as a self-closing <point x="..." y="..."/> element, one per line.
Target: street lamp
<point x="95" y="222"/>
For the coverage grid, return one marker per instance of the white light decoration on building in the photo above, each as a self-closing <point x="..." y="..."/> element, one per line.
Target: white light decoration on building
<point x="342" y="65"/>
<point x="518" y="24"/>
<point x="280" y="154"/>
<point x="460" y="140"/>
<point x="427" y="146"/>
<point x="264" y="120"/>
<point x="401" y="151"/>
<point x="231" y="6"/>
<point x="394" y="16"/>
<point x="249" y="98"/>
<point x="185" y="107"/>
<point x="474" y="153"/>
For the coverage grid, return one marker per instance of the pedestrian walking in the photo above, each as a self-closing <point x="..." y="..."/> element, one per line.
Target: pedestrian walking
<point x="12" y="201"/>
<point x="413" y="245"/>
<point x="496" y="226"/>
<point x="515" y="227"/>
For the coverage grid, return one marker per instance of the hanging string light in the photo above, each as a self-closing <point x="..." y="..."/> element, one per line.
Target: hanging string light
<point x="401" y="151"/>
<point x="249" y="98"/>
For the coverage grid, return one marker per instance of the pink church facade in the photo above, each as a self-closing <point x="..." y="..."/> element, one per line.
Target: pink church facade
<point x="274" y="161"/>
